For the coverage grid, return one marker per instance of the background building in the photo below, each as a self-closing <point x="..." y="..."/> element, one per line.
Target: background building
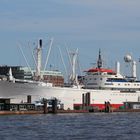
<point x="55" y="77"/>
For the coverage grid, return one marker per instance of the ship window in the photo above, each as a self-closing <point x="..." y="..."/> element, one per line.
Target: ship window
<point x="101" y="78"/>
<point x="119" y="84"/>
<point x="94" y="78"/>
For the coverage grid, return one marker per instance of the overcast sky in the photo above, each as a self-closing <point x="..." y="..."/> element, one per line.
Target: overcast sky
<point x="112" y="25"/>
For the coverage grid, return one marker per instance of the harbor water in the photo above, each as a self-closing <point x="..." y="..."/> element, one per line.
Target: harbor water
<point x="80" y="126"/>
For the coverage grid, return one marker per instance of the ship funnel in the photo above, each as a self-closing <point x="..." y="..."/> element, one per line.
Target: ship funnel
<point x="118" y="67"/>
<point x="134" y="69"/>
<point x="40" y="43"/>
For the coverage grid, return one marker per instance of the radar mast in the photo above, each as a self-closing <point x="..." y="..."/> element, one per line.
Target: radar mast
<point x="99" y="62"/>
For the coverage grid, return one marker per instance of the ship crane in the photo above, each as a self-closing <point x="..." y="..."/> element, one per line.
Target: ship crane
<point x="73" y="77"/>
<point x="20" y="48"/>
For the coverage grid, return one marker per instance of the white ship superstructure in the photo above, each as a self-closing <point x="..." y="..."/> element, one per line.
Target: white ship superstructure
<point x="101" y="84"/>
<point x="101" y="78"/>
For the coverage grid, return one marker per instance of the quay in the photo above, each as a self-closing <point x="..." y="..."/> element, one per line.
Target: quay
<point x="39" y="112"/>
<point x="63" y="111"/>
<point x="20" y="112"/>
<point x="53" y="106"/>
<point x="7" y="108"/>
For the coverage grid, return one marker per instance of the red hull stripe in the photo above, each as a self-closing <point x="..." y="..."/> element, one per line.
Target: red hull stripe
<point x="101" y="106"/>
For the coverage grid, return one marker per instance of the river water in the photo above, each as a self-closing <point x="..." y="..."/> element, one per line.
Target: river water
<point x="90" y="126"/>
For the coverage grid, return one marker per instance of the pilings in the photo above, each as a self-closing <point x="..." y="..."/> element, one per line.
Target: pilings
<point x="107" y="107"/>
<point x="85" y="100"/>
<point x="53" y="106"/>
<point x="45" y="108"/>
<point x="29" y="99"/>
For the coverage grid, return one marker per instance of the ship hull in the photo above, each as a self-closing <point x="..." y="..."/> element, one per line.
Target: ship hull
<point x="70" y="97"/>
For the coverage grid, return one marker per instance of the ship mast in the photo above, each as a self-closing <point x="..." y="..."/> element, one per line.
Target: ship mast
<point x="99" y="61"/>
<point x="39" y="59"/>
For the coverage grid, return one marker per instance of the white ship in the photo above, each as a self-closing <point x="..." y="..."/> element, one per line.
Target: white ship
<point x="100" y="85"/>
